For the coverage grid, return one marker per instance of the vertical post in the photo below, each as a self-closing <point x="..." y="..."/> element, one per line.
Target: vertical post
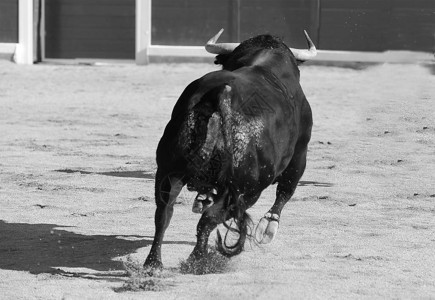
<point x="24" y="50"/>
<point x="235" y="20"/>
<point x="315" y="21"/>
<point x="37" y="18"/>
<point x="143" y="31"/>
<point x="42" y="30"/>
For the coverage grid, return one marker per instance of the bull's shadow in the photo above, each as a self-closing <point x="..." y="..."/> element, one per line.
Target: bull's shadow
<point x="150" y="175"/>
<point x="42" y="248"/>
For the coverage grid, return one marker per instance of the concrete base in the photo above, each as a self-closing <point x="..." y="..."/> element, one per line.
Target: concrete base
<point x="323" y="57"/>
<point x="160" y="54"/>
<point x="392" y="56"/>
<point x="7" y="51"/>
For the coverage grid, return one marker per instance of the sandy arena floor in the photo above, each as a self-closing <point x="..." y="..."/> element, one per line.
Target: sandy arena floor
<point x="77" y="151"/>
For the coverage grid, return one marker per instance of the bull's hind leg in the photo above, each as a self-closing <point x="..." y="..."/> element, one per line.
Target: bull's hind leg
<point x="287" y="183"/>
<point x="210" y="218"/>
<point x="167" y="188"/>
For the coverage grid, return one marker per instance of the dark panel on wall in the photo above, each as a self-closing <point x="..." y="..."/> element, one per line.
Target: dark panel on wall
<point x="9" y="21"/>
<point x="190" y="22"/>
<point x="412" y="25"/>
<point x="353" y="24"/>
<point x="90" y="29"/>
<point x="282" y="18"/>
<point x="372" y="25"/>
<point x="193" y="22"/>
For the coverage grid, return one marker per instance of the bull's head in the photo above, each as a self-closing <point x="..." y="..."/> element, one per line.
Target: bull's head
<point x="226" y="48"/>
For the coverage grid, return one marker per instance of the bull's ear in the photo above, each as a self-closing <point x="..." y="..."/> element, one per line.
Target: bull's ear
<point x="220" y="59"/>
<point x="300" y="62"/>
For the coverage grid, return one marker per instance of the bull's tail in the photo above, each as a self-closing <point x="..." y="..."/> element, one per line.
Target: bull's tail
<point x="209" y="126"/>
<point x="236" y="212"/>
<point x="235" y="207"/>
<point x="227" y="121"/>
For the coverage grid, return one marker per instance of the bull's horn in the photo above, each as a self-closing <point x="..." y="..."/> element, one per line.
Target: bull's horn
<point x="305" y="54"/>
<point x="221" y="48"/>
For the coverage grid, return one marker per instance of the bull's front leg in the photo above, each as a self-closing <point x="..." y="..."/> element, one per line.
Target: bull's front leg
<point x="267" y="228"/>
<point x="167" y="188"/>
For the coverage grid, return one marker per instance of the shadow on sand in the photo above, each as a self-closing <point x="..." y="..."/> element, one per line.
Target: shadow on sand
<point x="129" y="174"/>
<point x="150" y="175"/>
<point x="43" y="248"/>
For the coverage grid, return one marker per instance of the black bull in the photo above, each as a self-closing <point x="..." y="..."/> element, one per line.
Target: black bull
<point x="233" y="133"/>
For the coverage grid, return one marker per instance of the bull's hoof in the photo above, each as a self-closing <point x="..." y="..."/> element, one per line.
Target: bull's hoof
<point x="203" y="201"/>
<point x="152" y="267"/>
<point x="196" y="256"/>
<point x="267" y="229"/>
